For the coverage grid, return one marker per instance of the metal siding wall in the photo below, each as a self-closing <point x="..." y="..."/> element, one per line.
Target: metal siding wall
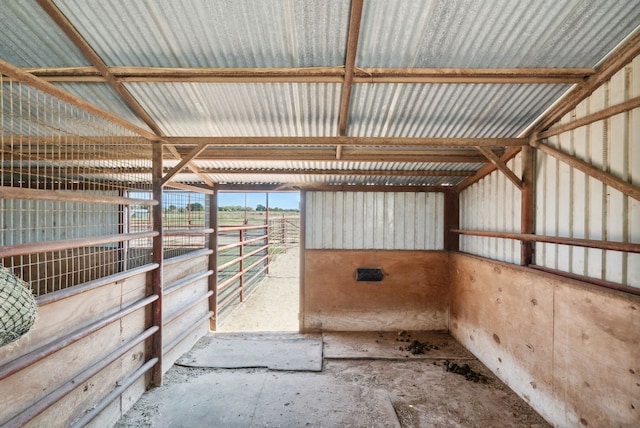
<point x="569" y="203"/>
<point x="374" y="220"/>
<point x="492" y="204"/>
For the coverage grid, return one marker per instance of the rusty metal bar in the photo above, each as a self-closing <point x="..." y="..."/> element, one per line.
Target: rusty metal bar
<point x="234" y="228"/>
<point x="213" y="259"/>
<point x="238" y="244"/>
<point x="182" y="232"/>
<point x="71" y="338"/>
<point x="186" y="281"/>
<point x="599" y="282"/>
<point x="180" y="312"/>
<point x="58" y="394"/>
<point x="43" y="247"/>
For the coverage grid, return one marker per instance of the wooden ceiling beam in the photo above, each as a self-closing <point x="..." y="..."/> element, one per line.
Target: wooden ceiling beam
<point x="295" y="187"/>
<point x="183" y="163"/>
<point x="614" y="63"/>
<point x="509" y="154"/>
<point x="77" y="39"/>
<point x="350" y="141"/>
<point x="317" y="75"/>
<point x="502" y="166"/>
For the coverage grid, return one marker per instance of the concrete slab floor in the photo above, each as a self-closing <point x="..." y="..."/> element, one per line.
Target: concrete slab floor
<point x="389" y="387"/>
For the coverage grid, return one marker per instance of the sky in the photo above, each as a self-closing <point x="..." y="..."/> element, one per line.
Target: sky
<point x="288" y="200"/>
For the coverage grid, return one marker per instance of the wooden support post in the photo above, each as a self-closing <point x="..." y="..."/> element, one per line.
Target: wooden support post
<point x="156" y="276"/>
<point x="266" y="222"/>
<point x="451" y="221"/>
<point x="527" y="205"/>
<point x="241" y="232"/>
<point x="213" y="259"/>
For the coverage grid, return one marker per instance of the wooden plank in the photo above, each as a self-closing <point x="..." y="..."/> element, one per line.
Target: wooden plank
<point x="412" y="296"/>
<point x="46" y="87"/>
<point x="157" y="275"/>
<point x="183" y="163"/>
<point x="595" y="342"/>
<point x="608" y="112"/>
<point x="504" y="315"/>
<point x="348" y="141"/>
<point x="589" y="169"/>
<point x="527" y="209"/>
<point x="317" y="75"/>
<point x="451" y="221"/>
<point x="350" y="60"/>
<point x="324" y="172"/>
<point x="495" y="160"/>
<point x="487" y="169"/>
<point x="69" y="196"/>
<point x="616" y="61"/>
<point x="77" y="39"/>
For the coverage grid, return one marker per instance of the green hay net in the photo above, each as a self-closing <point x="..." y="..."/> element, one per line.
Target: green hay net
<point x="18" y="309"/>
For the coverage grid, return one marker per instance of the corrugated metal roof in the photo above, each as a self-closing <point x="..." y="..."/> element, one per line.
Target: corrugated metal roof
<point x="492" y="33"/>
<point x="242" y="109"/>
<point x="454" y="110"/>
<point x="337" y="165"/>
<point x="31" y="39"/>
<point x="105" y="97"/>
<point x="202" y="33"/>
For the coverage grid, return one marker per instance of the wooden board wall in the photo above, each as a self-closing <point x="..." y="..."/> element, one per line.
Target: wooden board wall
<point x="414" y="294"/>
<point x="571" y="350"/>
<point x="58" y="318"/>
<point x="188" y="300"/>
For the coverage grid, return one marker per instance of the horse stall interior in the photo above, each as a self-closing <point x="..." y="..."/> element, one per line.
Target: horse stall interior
<point x="468" y="167"/>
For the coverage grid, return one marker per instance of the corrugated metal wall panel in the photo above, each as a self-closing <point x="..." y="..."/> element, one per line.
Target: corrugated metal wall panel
<point x="492" y="33"/>
<point x="492" y="204"/>
<point x="374" y="220"/>
<point x="572" y="204"/>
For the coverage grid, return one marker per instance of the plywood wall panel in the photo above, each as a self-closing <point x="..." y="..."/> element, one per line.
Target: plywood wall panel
<point x="568" y="348"/>
<point x="412" y="296"/>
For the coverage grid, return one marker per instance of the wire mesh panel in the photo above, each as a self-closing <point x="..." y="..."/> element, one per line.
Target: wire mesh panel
<point x="72" y="186"/>
<point x="185" y="217"/>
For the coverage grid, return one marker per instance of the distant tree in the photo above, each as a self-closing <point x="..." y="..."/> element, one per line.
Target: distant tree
<point x="261" y="207"/>
<point x="172" y="208"/>
<point x="195" y="207"/>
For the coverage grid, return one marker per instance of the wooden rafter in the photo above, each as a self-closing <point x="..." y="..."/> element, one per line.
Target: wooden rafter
<point x="350" y="62"/>
<point x="509" y="154"/>
<point x="46" y="87"/>
<point x="77" y="39"/>
<point x="105" y="72"/>
<point x="618" y="59"/>
<point x="183" y="163"/>
<point x="502" y="166"/>
<point x="318" y="75"/>
<point x="592" y="171"/>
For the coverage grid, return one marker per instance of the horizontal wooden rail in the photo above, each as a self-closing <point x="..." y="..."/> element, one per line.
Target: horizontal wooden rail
<point x="188" y="256"/>
<point x="580" y="242"/>
<point x="121" y="387"/>
<point x="69" y="196"/>
<point x="58" y="394"/>
<point x="43" y="247"/>
<point x="175" y="342"/>
<point x="182" y="232"/>
<point x="44" y="351"/>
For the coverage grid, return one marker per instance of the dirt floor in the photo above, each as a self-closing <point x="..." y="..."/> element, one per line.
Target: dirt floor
<point x="374" y="379"/>
<point x="275" y="304"/>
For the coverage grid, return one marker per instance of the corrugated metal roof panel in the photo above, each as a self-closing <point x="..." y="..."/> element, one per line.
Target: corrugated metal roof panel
<point x="346" y="166"/>
<point x="454" y="110"/>
<point x="202" y="33"/>
<point x="105" y="97"/>
<point x="31" y="39"/>
<point x="492" y="33"/>
<point x="242" y="109"/>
